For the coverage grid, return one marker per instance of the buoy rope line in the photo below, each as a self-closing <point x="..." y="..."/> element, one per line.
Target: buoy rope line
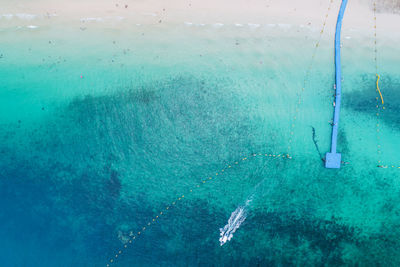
<point x="306" y="77"/>
<point x="380" y="103"/>
<point x="136" y="234"/>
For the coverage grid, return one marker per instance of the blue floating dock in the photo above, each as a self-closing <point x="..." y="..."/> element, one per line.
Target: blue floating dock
<point x="333" y="159"/>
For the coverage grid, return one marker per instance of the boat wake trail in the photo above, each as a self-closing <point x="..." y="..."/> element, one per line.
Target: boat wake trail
<point x="237" y="218"/>
<point x="234" y="222"/>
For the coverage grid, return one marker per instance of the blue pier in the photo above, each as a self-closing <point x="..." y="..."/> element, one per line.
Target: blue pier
<point x="333" y="159"/>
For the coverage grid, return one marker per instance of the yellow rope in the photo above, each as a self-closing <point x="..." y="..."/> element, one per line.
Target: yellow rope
<point x="377" y="87"/>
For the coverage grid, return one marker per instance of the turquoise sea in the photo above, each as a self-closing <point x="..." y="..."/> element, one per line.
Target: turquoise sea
<point x="103" y="129"/>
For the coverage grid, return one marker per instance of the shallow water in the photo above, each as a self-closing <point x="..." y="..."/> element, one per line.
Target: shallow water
<point x="100" y="131"/>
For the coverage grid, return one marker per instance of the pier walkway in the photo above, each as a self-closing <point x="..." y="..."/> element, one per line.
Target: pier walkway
<point x="333" y="159"/>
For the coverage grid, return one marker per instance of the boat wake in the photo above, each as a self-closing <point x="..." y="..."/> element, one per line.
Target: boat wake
<point x="238" y="216"/>
<point x="234" y="222"/>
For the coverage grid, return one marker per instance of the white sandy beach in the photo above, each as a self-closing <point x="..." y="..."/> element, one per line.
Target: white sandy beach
<point x="253" y="14"/>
